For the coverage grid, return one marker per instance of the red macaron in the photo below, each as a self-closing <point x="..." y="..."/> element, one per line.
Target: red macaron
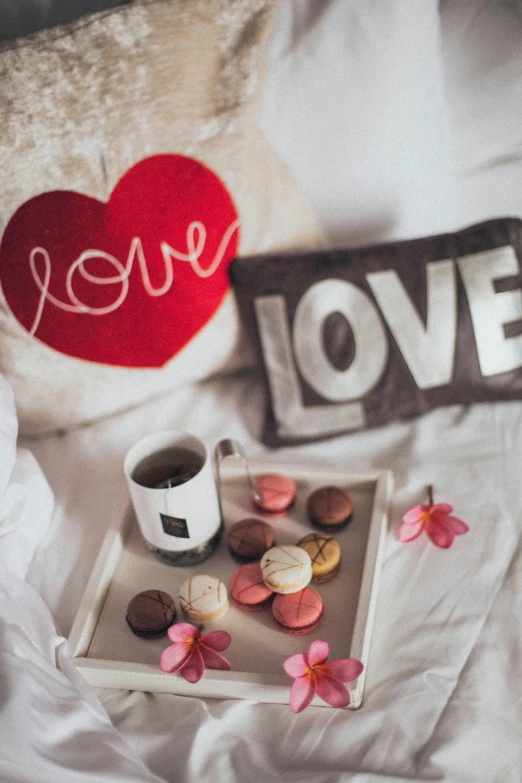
<point x="277" y="493"/>
<point x="247" y="589"/>
<point x="298" y="613"/>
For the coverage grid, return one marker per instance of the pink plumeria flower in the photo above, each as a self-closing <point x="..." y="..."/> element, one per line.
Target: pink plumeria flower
<point x="314" y="675"/>
<point x="435" y="519"/>
<point x="191" y="651"/>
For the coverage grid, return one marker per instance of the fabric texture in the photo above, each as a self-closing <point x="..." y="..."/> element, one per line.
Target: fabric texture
<point x="443" y="694"/>
<point x="133" y="172"/>
<point x="383" y="167"/>
<point x="26" y="501"/>
<point x="425" y="674"/>
<point x="27" y="16"/>
<point x="72" y="739"/>
<point x="358" y="337"/>
<point x="480" y="48"/>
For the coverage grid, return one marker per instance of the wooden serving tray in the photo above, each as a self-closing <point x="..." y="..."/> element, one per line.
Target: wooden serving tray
<point x="108" y="654"/>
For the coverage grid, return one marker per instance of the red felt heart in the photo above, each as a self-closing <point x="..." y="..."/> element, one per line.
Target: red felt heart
<point x="128" y="282"/>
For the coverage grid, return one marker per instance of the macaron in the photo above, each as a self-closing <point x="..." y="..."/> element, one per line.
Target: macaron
<point x="286" y="569"/>
<point x="325" y="554"/>
<point x="151" y="613"/>
<point x="249" y="539"/>
<point x="203" y="598"/>
<point x="329" y="508"/>
<point x="247" y="589"/>
<point x="277" y="493"/>
<point x="298" y="613"/>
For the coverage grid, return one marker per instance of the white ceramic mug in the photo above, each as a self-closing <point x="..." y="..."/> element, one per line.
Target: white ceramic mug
<point x="182" y="524"/>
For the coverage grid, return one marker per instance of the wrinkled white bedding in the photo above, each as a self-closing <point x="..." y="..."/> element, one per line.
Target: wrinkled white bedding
<point x="446" y="643"/>
<point x="53" y="727"/>
<point x="443" y="695"/>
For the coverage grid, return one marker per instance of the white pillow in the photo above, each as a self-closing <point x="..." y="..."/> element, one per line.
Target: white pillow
<point x="132" y="173"/>
<point x="355" y="104"/>
<point x="482" y="50"/>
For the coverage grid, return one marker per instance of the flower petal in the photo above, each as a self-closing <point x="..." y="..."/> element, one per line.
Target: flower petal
<point x="318" y="652"/>
<point x="458" y="525"/>
<point x="212" y="659"/>
<point x="410" y="531"/>
<point x="194" y="669"/>
<point x="296" y="665"/>
<point x="442" y="535"/>
<point x="302" y="692"/>
<point x="182" y="632"/>
<point x="342" y="669"/>
<point x="414" y="515"/>
<point x="175" y="656"/>
<point x="332" y="691"/>
<point x="217" y="640"/>
<point x="444" y="508"/>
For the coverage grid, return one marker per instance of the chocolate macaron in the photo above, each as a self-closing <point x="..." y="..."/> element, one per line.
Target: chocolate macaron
<point x="247" y="589"/>
<point x="151" y="613"/>
<point x="329" y="508"/>
<point x="325" y="554"/>
<point x="298" y="613"/>
<point x="249" y="539"/>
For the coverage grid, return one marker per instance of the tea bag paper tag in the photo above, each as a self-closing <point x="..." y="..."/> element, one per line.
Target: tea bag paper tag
<point x="174" y="526"/>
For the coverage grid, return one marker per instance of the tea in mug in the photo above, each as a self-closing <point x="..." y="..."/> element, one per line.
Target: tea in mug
<point x="167" y="467"/>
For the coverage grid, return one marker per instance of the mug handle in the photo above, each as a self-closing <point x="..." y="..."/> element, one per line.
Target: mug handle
<point x="229" y="447"/>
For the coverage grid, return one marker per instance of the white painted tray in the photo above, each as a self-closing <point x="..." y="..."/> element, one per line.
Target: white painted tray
<point x="109" y="655"/>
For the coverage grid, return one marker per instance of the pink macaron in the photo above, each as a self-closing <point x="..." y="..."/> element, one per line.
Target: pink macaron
<point x="277" y="493"/>
<point x="247" y="589"/>
<point x="298" y="613"/>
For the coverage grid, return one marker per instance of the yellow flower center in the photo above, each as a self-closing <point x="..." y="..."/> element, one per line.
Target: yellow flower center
<point x="310" y="674"/>
<point x="425" y="518"/>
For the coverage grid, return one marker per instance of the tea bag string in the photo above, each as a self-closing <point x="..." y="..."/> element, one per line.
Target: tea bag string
<point x="166" y="496"/>
<point x="229" y="447"/>
<point x="168" y="486"/>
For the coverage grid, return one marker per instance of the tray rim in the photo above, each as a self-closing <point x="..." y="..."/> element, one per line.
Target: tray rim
<point x="254" y="686"/>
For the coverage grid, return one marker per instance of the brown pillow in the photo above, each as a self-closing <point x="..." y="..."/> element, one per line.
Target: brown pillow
<point x="132" y="173"/>
<point x="357" y="337"/>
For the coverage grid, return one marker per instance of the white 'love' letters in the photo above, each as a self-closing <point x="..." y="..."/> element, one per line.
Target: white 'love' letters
<point x="427" y="347"/>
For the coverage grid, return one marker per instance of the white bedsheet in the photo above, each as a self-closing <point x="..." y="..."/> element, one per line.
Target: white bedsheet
<point x="52" y="726"/>
<point x="433" y="663"/>
<point x="443" y="695"/>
